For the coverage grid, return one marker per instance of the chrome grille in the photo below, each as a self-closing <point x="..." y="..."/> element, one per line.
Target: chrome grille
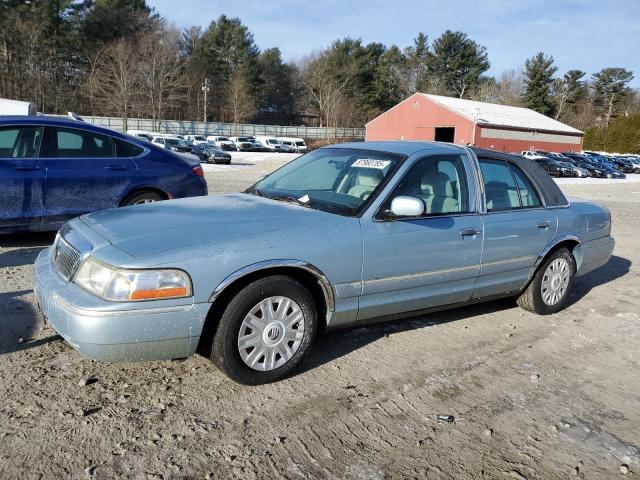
<point x="66" y="258"/>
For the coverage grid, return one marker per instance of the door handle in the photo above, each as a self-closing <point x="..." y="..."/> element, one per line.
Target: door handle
<point x="26" y="169"/>
<point x="468" y="232"/>
<point x="543" y="224"/>
<point x="115" y="167"/>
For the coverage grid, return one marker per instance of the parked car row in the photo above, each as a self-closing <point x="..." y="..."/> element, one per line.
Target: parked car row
<point x="249" y="143"/>
<point x="585" y="164"/>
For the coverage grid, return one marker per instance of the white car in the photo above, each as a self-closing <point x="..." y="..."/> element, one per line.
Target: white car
<point x="296" y="143"/>
<point x="175" y="144"/>
<point x="531" y="155"/>
<point x="196" y="139"/>
<point x="222" y="142"/>
<point x="145" y="135"/>
<point x="244" y="144"/>
<point x="271" y="144"/>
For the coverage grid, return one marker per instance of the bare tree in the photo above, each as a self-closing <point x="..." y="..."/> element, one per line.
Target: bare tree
<point x="115" y="76"/>
<point x="239" y="105"/>
<point x="510" y="88"/>
<point x="160" y="72"/>
<point x="325" y="85"/>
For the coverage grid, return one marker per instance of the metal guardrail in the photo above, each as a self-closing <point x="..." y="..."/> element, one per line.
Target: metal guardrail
<point x="228" y="129"/>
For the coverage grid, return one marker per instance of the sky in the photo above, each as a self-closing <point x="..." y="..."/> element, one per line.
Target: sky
<point x="580" y="34"/>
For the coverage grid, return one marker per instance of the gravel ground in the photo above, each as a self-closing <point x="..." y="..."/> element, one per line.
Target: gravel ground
<point x="533" y="397"/>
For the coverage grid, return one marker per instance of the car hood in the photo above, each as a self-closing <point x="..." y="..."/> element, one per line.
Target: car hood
<point x="144" y="230"/>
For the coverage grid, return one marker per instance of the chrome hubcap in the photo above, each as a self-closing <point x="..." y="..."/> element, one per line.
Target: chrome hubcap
<point x="555" y="281"/>
<point x="271" y="333"/>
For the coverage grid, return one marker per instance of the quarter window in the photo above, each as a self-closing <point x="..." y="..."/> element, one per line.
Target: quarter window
<point x="506" y="187"/>
<point x="439" y="181"/>
<point x="20" y="142"/>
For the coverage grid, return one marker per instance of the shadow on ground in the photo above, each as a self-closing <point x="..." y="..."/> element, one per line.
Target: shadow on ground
<point x="333" y="345"/>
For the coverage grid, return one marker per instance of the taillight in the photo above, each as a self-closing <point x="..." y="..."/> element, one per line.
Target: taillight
<point x="198" y="171"/>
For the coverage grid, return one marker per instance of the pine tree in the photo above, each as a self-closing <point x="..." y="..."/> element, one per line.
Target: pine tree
<point x="539" y="71"/>
<point x="610" y="86"/>
<point x="457" y="63"/>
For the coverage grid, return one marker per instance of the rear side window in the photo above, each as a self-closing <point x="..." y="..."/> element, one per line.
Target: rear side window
<point x="528" y="194"/>
<point x="20" y="142"/>
<point x="506" y="187"/>
<point x="74" y="143"/>
<point x="126" y="149"/>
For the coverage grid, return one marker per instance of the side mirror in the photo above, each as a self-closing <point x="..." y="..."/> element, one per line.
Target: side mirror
<point x="404" y="206"/>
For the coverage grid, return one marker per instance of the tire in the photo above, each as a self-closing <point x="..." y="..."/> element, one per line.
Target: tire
<point x="142" y="197"/>
<point x="266" y="338"/>
<point x="542" y="296"/>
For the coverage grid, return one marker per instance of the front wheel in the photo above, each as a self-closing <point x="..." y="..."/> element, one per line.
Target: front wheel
<point x="549" y="290"/>
<point x="265" y="331"/>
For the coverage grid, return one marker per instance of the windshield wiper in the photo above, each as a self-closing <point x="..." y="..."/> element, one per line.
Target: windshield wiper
<point x="289" y="199"/>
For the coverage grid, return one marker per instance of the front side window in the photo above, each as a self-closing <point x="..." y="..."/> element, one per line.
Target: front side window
<point x="506" y="187"/>
<point x="439" y="181"/>
<point x="337" y="180"/>
<point x="20" y="142"/>
<point x="73" y="143"/>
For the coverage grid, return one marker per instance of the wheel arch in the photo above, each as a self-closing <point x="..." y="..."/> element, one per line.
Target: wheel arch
<point x="140" y="189"/>
<point x="308" y="275"/>
<point x="571" y="242"/>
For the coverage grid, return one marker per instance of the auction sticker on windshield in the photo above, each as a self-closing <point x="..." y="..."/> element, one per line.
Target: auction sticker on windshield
<point x="371" y="163"/>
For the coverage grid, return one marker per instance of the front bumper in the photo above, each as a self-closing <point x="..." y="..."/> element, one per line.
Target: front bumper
<point x="110" y="332"/>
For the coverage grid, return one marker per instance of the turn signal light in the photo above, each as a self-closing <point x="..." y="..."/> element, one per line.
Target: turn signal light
<point x="159" y="293"/>
<point x="198" y="171"/>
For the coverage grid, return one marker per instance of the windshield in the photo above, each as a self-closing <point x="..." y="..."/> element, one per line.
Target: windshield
<point x="244" y="139"/>
<point x="174" y="141"/>
<point x="337" y="180"/>
<point x="200" y="138"/>
<point x="273" y="141"/>
<point x="300" y="144"/>
<point x="223" y="139"/>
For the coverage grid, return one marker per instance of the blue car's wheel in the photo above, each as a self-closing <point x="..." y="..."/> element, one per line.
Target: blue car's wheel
<point x="141" y="198"/>
<point x="265" y="331"/>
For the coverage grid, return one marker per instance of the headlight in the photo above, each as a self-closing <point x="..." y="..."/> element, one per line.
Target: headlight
<point x="119" y="285"/>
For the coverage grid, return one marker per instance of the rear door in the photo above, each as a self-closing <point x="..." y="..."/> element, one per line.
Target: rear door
<point x="83" y="172"/>
<point x="517" y="227"/>
<point x="21" y="176"/>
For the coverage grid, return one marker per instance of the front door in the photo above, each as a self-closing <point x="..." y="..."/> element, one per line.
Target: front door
<point x="517" y="227"/>
<point x="21" y="177"/>
<point x="431" y="260"/>
<point x="84" y="174"/>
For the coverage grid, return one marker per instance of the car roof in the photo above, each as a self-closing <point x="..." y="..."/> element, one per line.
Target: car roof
<point x="400" y="146"/>
<point x="48" y="120"/>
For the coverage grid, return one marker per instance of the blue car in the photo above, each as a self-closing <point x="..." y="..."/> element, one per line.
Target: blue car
<point x="54" y="169"/>
<point x="344" y="235"/>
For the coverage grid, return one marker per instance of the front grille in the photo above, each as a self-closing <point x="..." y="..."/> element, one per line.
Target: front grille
<point x="66" y="258"/>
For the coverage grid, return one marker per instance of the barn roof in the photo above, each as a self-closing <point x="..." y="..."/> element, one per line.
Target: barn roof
<point x="501" y="115"/>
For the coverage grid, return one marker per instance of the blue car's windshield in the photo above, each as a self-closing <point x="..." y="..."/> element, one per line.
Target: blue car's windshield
<point x="337" y="180"/>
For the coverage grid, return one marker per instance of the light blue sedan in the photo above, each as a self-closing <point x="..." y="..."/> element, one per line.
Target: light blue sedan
<point x="347" y="234"/>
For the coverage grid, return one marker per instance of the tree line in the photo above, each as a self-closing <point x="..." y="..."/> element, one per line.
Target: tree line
<point x="120" y="58"/>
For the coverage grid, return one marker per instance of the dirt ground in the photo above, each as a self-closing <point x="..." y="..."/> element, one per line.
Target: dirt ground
<point x="533" y="397"/>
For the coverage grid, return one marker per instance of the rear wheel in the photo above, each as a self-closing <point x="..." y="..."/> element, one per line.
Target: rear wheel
<point x="265" y="331"/>
<point x="549" y="290"/>
<point x="141" y="198"/>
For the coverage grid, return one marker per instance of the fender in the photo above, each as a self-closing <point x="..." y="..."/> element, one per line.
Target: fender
<point x="551" y="245"/>
<point x="327" y="289"/>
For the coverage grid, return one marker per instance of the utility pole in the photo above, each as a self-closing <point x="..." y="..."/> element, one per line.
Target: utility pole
<point x="205" y="89"/>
